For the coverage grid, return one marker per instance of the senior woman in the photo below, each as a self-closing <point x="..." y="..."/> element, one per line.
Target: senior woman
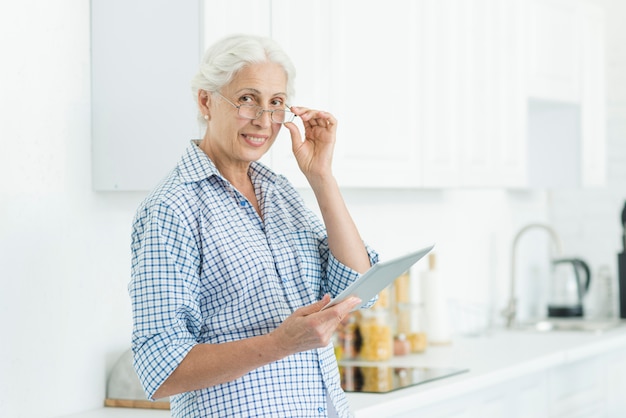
<point x="230" y="271"/>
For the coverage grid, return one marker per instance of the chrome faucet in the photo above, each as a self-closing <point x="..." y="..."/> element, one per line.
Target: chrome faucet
<point x="510" y="311"/>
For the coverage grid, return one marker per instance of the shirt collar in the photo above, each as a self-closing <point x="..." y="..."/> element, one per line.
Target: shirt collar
<point x="196" y="166"/>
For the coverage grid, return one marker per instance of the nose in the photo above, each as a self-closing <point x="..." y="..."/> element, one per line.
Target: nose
<point x="264" y="120"/>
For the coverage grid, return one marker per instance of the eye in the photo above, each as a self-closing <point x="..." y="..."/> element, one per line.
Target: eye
<point x="277" y="103"/>
<point x="247" y="99"/>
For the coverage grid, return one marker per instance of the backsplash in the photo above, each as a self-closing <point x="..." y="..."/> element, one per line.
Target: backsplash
<point x="473" y="231"/>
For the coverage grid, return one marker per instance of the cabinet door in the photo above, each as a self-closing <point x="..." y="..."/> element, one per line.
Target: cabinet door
<point x="427" y="94"/>
<point x="304" y="31"/>
<point x="577" y="389"/>
<point x="567" y="114"/>
<point x="554" y="50"/>
<point x="143" y="55"/>
<point x="519" y="398"/>
<point x="473" y="85"/>
<point x="443" y="89"/>
<point x="374" y="71"/>
<point x="615" y="366"/>
<point x="593" y="96"/>
<point x="494" y="102"/>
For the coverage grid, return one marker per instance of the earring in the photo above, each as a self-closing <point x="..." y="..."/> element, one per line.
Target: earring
<point x="206" y="117"/>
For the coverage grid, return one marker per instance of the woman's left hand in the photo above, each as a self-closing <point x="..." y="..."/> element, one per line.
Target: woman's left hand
<point x="315" y="154"/>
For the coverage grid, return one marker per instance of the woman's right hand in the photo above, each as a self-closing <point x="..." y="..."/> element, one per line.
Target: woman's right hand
<point x="309" y="327"/>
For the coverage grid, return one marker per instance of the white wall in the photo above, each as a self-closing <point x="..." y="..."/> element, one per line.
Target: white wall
<point x="64" y="249"/>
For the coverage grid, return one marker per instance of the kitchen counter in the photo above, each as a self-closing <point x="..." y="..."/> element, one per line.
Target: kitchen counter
<point x="492" y="360"/>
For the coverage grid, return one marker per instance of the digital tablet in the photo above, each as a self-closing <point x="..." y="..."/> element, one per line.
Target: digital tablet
<point x="379" y="276"/>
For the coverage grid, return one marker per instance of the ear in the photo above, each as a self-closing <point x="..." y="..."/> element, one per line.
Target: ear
<point x="204" y="103"/>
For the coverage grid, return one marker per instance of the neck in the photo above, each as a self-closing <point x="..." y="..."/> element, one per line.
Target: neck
<point x="235" y="172"/>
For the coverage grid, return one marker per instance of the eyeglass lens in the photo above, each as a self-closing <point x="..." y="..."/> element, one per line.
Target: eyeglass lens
<point x="277" y="116"/>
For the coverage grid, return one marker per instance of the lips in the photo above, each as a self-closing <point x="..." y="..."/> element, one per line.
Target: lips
<point x="255" y="141"/>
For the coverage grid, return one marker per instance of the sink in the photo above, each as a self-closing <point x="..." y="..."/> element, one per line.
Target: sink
<point x="574" y="324"/>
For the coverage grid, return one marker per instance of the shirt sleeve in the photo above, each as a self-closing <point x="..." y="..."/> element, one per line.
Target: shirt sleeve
<point x="341" y="276"/>
<point x="163" y="292"/>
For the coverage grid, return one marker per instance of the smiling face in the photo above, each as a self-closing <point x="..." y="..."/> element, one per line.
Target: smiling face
<point x="232" y="141"/>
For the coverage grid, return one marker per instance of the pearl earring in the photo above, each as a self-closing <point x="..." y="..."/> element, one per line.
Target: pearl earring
<point x="206" y="117"/>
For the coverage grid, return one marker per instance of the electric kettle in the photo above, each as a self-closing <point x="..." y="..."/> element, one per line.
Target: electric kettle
<point x="570" y="282"/>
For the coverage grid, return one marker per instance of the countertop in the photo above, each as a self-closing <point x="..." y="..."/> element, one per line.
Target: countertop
<point x="491" y="359"/>
<point x="495" y="357"/>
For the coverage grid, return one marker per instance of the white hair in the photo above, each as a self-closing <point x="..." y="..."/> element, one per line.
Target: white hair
<point x="224" y="58"/>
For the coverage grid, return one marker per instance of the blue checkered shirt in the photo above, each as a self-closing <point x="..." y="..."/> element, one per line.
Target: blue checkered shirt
<point x="207" y="269"/>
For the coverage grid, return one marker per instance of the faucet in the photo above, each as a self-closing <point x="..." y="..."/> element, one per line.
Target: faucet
<point x="510" y="311"/>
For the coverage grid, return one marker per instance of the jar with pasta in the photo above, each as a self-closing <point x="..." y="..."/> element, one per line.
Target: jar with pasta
<point x="376" y="331"/>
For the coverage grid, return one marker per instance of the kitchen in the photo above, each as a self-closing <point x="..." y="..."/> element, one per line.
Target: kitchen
<point x="65" y="245"/>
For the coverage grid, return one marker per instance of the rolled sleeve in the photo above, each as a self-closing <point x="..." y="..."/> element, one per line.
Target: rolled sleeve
<point x="155" y="359"/>
<point x="342" y="276"/>
<point x="166" y="314"/>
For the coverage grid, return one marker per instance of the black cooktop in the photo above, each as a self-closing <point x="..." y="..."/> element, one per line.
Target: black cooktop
<point x="383" y="379"/>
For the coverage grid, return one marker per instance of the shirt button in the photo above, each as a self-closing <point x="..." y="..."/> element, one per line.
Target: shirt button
<point x="243" y="203"/>
<point x="320" y="409"/>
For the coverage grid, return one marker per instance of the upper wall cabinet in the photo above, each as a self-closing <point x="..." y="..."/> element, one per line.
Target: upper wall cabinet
<point x="593" y="96"/>
<point x="554" y="50"/>
<point x="362" y="67"/>
<point x="428" y="93"/>
<point x="304" y="30"/>
<point x="472" y="93"/>
<point x="143" y="55"/>
<point x="567" y="94"/>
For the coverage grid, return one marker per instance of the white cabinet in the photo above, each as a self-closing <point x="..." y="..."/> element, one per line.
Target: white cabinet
<point x="436" y="93"/>
<point x="305" y="32"/>
<point x="615" y="369"/>
<point x="590" y="387"/>
<point x="375" y="72"/>
<point x="473" y="125"/>
<point x="523" y="397"/>
<point x="567" y="115"/>
<point x="429" y="93"/>
<point x="143" y="54"/>
<point x="578" y="389"/>
<point x="593" y="96"/>
<point x="554" y="50"/>
<point x="357" y="60"/>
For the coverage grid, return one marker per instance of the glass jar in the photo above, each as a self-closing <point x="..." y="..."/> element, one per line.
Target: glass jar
<point x="401" y="345"/>
<point x="411" y="324"/>
<point x="347" y="338"/>
<point x="376" y="333"/>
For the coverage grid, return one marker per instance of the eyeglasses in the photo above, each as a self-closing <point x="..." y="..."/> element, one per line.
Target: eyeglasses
<point x="250" y="111"/>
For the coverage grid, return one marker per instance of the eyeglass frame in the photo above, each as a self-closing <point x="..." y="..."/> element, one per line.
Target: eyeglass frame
<point x="260" y="110"/>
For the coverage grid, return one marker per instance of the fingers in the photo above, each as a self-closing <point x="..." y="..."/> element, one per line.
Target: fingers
<point x="314" y="307"/>
<point x="347" y="306"/>
<point x="338" y="311"/>
<point x="335" y="314"/>
<point x="310" y="327"/>
<point x="296" y="137"/>
<point x="315" y="118"/>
